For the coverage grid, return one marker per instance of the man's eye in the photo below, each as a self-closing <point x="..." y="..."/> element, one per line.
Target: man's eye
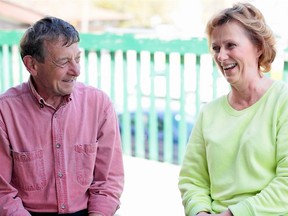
<point x="77" y="59"/>
<point x="62" y="63"/>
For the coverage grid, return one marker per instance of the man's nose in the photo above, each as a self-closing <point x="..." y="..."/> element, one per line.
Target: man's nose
<point x="74" y="68"/>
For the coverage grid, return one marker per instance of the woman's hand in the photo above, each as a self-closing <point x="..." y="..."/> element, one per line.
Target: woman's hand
<point x="203" y="214"/>
<point x="225" y="213"/>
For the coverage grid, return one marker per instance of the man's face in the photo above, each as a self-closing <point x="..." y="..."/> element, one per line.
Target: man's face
<point x="56" y="77"/>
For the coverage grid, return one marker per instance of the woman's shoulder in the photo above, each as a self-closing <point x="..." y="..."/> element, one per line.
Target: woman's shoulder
<point x="280" y="88"/>
<point x="277" y="95"/>
<point x="215" y="103"/>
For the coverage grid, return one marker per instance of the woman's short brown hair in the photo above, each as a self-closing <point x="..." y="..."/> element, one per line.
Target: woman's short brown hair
<point x="256" y="28"/>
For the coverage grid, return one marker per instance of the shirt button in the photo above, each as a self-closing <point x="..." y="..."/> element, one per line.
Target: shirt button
<point x="60" y="175"/>
<point x="63" y="206"/>
<point x="58" y="145"/>
<point x="24" y="157"/>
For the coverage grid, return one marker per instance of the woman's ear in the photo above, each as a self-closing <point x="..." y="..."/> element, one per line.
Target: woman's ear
<point x="30" y="64"/>
<point x="259" y="51"/>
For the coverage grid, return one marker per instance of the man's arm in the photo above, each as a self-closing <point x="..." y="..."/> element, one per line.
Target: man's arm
<point x="107" y="186"/>
<point x="10" y="204"/>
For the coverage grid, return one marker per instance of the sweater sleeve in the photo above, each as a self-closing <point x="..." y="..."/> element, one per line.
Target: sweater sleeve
<point x="194" y="182"/>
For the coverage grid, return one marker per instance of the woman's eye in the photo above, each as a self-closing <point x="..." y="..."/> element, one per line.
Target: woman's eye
<point x="231" y="45"/>
<point x="216" y="49"/>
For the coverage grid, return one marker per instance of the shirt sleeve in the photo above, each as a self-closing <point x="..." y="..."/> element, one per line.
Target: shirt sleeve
<point x="107" y="186"/>
<point x="194" y="182"/>
<point x="272" y="200"/>
<point x="10" y="204"/>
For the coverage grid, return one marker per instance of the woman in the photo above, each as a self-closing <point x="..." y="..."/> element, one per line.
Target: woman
<point x="236" y="162"/>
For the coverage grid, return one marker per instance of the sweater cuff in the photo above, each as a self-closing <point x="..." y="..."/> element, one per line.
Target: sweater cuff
<point x="241" y="209"/>
<point x="196" y="210"/>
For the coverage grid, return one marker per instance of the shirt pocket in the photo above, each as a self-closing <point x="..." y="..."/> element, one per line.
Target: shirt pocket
<point x="29" y="171"/>
<point x="85" y="162"/>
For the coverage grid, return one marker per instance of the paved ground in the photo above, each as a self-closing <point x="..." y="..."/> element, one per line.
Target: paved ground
<point x="150" y="189"/>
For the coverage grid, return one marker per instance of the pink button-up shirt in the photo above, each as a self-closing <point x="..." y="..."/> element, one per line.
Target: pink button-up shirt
<point x="59" y="160"/>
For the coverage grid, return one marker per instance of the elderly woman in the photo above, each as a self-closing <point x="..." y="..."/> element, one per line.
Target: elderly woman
<point x="236" y="162"/>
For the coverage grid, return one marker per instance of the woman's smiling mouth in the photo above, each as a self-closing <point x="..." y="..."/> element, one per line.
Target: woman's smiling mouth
<point x="229" y="66"/>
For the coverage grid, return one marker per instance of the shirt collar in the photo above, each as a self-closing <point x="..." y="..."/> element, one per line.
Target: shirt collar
<point x="40" y="100"/>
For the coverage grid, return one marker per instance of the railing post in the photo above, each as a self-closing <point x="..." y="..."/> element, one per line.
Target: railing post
<point x="112" y="76"/>
<point x="215" y="77"/>
<point x="98" y="65"/>
<point x="126" y="118"/>
<point x="139" y="136"/>
<point x="168" y="130"/>
<point x="182" y="130"/>
<point x="2" y="75"/>
<point x="285" y="72"/>
<point x="153" y="141"/>
<point x="86" y="63"/>
<point x="197" y="91"/>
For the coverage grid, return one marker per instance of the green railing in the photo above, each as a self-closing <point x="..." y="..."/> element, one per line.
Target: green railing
<point x="157" y="86"/>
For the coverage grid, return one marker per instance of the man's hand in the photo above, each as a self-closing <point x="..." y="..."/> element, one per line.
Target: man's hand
<point x="95" y="214"/>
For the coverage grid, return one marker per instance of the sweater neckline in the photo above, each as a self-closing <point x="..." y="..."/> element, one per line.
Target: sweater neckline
<point x="235" y="112"/>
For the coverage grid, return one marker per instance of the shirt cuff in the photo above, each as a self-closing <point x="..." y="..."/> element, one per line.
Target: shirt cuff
<point x="103" y="205"/>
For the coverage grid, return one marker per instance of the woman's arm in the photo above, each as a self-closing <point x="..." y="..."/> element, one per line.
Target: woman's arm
<point x="194" y="183"/>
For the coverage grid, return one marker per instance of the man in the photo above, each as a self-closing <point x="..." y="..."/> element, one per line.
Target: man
<point x="60" y="146"/>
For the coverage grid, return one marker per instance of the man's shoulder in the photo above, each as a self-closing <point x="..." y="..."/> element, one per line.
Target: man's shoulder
<point x="15" y="92"/>
<point x="89" y="91"/>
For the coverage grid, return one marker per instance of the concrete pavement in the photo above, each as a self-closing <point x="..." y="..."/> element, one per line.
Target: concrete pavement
<point x="150" y="189"/>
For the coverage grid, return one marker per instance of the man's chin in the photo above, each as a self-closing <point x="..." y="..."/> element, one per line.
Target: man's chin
<point x="66" y="92"/>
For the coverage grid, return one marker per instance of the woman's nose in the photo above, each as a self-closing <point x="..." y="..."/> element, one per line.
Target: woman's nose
<point x="222" y="55"/>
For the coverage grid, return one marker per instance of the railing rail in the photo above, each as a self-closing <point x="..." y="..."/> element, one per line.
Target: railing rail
<point x="157" y="86"/>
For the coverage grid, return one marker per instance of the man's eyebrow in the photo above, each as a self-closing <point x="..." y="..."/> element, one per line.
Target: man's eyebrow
<point x="64" y="58"/>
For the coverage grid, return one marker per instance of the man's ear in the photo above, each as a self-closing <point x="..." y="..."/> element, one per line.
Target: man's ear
<point x="30" y="64"/>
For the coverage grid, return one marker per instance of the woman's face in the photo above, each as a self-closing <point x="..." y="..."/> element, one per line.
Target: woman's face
<point x="235" y="54"/>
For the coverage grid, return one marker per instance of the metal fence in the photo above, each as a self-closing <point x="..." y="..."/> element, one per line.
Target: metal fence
<point x="157" y="86"/>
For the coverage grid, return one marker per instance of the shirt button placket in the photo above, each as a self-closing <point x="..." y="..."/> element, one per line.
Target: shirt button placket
<point x="63" y="206"/>
<point x="60" y="175"/>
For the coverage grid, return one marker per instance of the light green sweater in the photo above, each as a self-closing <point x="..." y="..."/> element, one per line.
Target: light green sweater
<point x="239" y="159"/>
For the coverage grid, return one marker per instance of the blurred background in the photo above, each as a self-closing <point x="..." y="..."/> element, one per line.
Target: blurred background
<point x="178" y="18"/>
<point x="166" y="19"/>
